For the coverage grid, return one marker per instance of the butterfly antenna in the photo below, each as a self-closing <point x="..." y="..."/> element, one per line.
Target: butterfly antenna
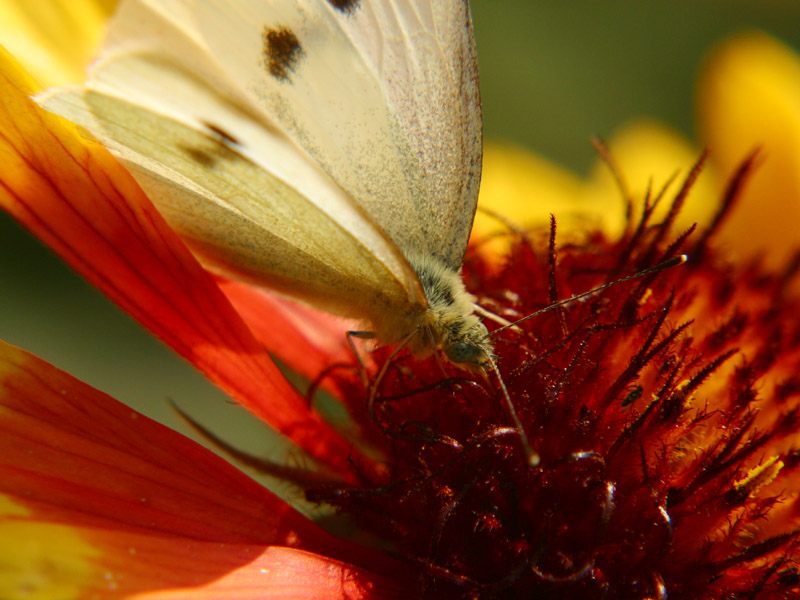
<point x="487" y="314"/>
<point x="667" y="264"/>
<point x="532" y="456"/>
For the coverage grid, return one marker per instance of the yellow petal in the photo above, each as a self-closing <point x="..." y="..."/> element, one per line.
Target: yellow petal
<point x="39" y="561"/>
<point x="525" y="189"/>
<point x="648" y="154"/>
<point x="749" y="97"/>
<point x="54" y="39"/>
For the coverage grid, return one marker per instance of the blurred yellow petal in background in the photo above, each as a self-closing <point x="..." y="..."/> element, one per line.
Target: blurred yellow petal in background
<point x="53" y="39"/>
<point x="648" y="156"/>
<point x="524" y="190"/>
<point x="748" y="98"/>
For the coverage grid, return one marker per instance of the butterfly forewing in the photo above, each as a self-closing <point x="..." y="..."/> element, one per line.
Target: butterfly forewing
<point x="382" y="94"/>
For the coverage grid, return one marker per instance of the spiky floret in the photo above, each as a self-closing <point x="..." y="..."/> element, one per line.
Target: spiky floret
<point x="665" y="411"/>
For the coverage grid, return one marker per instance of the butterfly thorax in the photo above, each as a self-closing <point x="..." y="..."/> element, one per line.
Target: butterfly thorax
<point x="449" y="323"/>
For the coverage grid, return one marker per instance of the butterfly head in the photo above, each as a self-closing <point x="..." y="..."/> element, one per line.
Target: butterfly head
<point x="469" y="348"/>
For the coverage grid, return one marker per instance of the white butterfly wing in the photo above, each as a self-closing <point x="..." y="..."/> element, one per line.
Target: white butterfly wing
<point x="382" y="94"/>
<point x="242" y="194"/>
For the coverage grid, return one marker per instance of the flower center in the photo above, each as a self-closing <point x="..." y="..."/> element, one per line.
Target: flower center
<point x="662" y="409"/>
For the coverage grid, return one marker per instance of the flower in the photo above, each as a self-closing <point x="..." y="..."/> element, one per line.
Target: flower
<point x="664" y="409"/>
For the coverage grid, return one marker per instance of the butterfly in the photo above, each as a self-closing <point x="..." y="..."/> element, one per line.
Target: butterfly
<point x="326" y="149"/>
<point x="329" y="150"/>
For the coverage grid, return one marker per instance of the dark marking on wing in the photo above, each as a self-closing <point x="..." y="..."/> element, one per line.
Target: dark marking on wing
<point x="200" y="156"/>
<point x="218" y="148"/>
<point x="347" y="7"/>
<point x="221" y="133"/>
<point x="282" y="51"/>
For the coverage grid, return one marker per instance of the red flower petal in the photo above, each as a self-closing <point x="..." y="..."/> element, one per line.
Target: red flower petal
<point x="307" y="340"/>
<point x="75" y="197"/>
<point x="147" y="505"/>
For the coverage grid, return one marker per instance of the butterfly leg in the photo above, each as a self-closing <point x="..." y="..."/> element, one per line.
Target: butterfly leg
<point x="363" y="335"/>
<point x="373" y="388"/>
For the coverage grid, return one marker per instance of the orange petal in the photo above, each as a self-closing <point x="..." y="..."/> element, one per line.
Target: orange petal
<point x="54" y="39"/>
<point x="54" y="561"/>
<point x="280" y="572"/>
<point x="96" y="497"/>
<point x="75" y="197"/>
<point x="749" y="97"/>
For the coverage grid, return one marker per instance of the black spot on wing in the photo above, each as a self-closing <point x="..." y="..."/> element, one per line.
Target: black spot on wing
<point x="281" y="50"/>
<point x="345" y="6"/>
<point x="219" y="146"/>
<point x="220" y="133"/>
<point x="200" y="156"/>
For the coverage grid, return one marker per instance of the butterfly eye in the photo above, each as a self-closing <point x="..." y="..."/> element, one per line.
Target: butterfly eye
<point x="466" y="353"/>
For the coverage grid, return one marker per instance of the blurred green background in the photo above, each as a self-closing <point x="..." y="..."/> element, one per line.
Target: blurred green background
<point x="553" y="75"/>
